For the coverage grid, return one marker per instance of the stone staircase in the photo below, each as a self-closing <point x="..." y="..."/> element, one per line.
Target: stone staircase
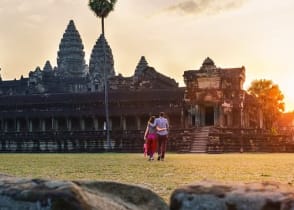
<point x="200" y="140"/>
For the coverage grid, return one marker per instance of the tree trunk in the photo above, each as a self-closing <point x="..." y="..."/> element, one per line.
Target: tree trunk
<point x="102" y="24"/>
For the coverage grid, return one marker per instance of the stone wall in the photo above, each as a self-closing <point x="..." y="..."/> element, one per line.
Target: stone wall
<point x="82" y="141"/>
<point x="220" y="196"/>
<point x="259" y="142"/>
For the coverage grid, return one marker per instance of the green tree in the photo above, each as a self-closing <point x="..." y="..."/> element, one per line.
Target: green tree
<point x="270" y="98"/>
<point x="102" y="8"/>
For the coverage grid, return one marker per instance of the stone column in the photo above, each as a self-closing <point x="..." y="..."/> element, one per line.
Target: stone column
<point x="110" y="124"/>
<point x="68" y="124"/>
<point x="30" y="125"/>
<point x="182" y="119"/>
<point x="2" y="124"/>
<point x="54" y="124"/>
<point x="197" y="115"/>
<point x="201" y="115"/>
<point x="96" y="124"/>
<point x="124" y="123"/>
<point x="82" y="124"/>
<point x="138" y="123"/>
<point x="17" y="125"/>
<point x="190" y="113"/>
<point x="221" y="118"/>
<point x="43" y="125"/>
<point x="5" y="125"/>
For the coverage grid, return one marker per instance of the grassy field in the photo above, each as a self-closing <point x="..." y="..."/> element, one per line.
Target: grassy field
<point x="161" y="177"/>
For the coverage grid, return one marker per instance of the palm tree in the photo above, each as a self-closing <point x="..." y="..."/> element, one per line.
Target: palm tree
<point x="102" y="8"/>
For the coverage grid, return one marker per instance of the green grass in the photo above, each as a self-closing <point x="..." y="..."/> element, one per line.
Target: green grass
<point x="161" y="177"/>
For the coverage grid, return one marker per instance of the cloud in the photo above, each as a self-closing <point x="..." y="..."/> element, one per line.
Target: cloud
<point x="197" y="7"/>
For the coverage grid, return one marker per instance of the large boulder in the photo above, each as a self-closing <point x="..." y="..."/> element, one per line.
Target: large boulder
<point x="209" y="195"/>
<point x="39" y="194"/>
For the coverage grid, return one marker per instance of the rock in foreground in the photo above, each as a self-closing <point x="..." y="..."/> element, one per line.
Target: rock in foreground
<point x="217" y="196"/>
<point x="38" y="194"/>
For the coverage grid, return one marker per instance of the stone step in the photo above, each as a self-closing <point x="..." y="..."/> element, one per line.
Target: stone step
<point x="199" y="146"/>
<point x="198" y="151"/>
<point x="200" y="136"/>
<point x="199" y="140"/>
<point x="199" y="143"/>
<point x="203" y="130"/>
<point x="204" y="137"/>
<point x="200" y="132"/>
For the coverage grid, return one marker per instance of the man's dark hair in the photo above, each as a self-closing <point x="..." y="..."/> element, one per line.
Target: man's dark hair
<point x="161" y="114"/>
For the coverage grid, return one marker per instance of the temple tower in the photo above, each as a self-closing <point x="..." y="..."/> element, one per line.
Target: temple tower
<point x="208" y="65"/>
<point x="96" y="67"/>
<point x="48" y="76"/>
<point x="47" y="67"/>
<point x="70" y="60"/>
<point x="143" y="64"/>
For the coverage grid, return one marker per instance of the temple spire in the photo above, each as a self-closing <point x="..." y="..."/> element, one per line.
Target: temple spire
<point x="143" y="64"/>
<point x="97" y="59"/>
<point x="208" y="64"/>
<point x="70" y="58"/>
<point x="47" y="67"/>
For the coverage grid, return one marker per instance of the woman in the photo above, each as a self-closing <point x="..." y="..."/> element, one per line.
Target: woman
<point x="150" y="138"/>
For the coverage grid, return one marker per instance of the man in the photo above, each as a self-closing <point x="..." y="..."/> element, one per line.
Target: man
<point x="161" y="124"/>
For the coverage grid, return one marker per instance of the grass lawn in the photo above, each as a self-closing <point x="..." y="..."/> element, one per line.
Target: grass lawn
<point x="161" y="177"/>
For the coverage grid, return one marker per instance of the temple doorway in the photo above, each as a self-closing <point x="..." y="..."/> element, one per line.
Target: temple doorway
<point x="209" y="116"/>
<point x="193" y="120"/>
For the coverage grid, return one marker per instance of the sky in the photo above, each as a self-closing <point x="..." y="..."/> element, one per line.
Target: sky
<point x="173" y="35"/>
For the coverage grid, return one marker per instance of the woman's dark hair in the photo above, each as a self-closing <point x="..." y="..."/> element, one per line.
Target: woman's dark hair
<point x="151" y="119"/>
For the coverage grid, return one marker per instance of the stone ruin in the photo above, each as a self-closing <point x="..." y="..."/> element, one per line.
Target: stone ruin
<point x="62" y="108"/>
<point x="39" y="194"/>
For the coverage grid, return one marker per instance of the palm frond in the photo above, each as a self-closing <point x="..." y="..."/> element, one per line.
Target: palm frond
<point x="102" y="8"/>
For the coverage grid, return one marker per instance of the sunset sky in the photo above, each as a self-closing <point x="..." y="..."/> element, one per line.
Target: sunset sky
<point x="173" y="35"/>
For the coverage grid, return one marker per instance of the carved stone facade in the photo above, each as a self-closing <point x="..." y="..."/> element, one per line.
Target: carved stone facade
<point x="215" y="97"/>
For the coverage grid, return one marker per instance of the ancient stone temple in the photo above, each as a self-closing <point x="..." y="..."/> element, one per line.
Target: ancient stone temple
<point x="62" y="108"/>
<point x="55" y="104"/>
<point x="215" y="97"/>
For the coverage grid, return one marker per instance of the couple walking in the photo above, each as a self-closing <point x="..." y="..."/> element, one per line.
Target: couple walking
<point x="156" y="134"/>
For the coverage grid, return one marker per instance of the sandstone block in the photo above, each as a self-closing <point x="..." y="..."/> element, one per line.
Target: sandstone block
<point x="39" y="194"/>
<point x="209" y="195"/>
